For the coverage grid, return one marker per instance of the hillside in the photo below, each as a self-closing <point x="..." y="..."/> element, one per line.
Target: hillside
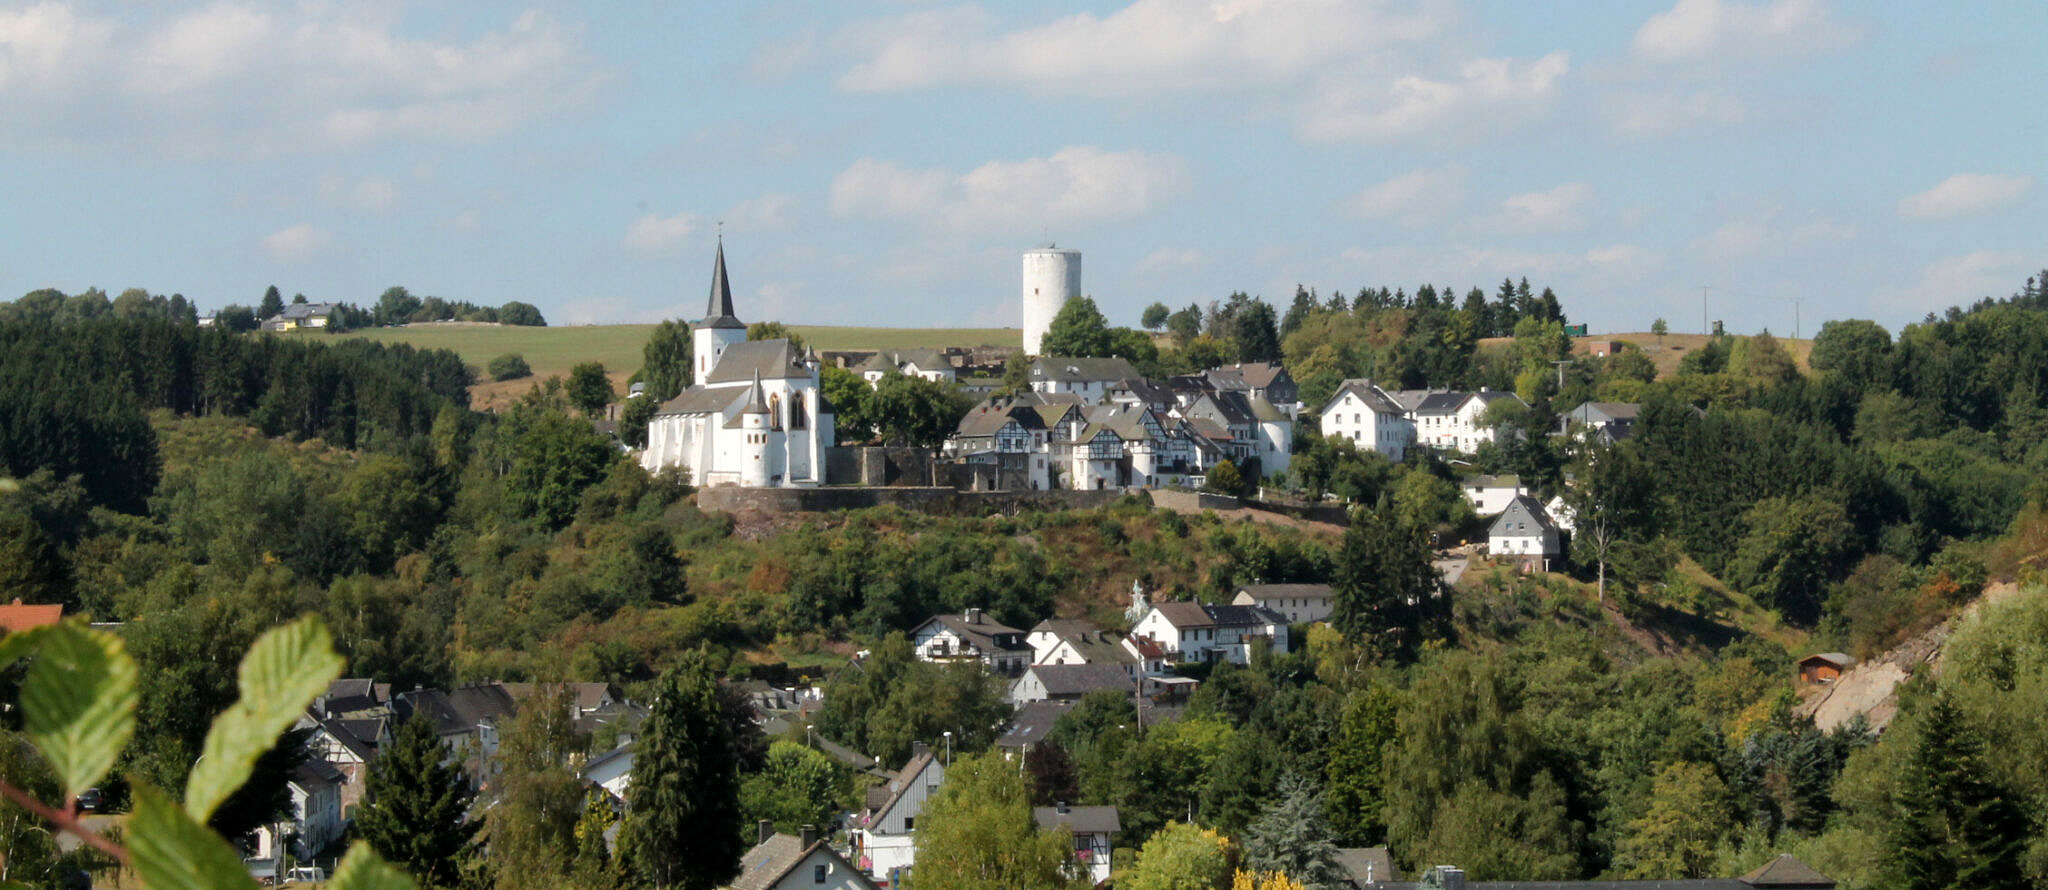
<point x="552" y="351"/>
<point x="1666" y="351"/>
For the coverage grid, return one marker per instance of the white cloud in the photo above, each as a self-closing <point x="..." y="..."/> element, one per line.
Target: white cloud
<point x="1145" y="47"/>
<point x="298" y="244"/>
<point x="1665" y="113"/>
<point x="1964" y="194"/>
<point x="1961" y="280"/>
<point x="1561" y="209"/>
<point x="1170" y="259"/>
<point x="655" y="234"/>
<point x="768" y="213"/>
<point x="1484" y="96"/>
<point x="1413" y="198"/>
<point x="1718" y="31"/>
<point x="1075" y="185"/>
<point x="1770" y="236"/>
<point x="374" y="194"/>
<point x="241" y="78"/>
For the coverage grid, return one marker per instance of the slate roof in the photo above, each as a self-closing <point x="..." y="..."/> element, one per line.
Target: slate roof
<point x="1606" y="412"/>
<point x="350" y="696"/>
<point x="1145" y="391"/>
<point x="1032" y="723"/>
<point x="1083" y="370"/>
<point x="699" y="400"/>
<point x="1080" y="820"/>
<point x="1227" y="379"/>
<point x="303" y="311"/>
<point x="1185" y="615"/>
<point x="460" y="710"/>
<point x="1276" y="591"/>
<point x="1261" y="374"/>
<point x="771" y="860"/>
<point x="1440" y="403"/>
<point x="358" y="736"/>
<point x="1525" y="512"/>
<point x="1407" y="399"/>
<point x="312" y="774"/>
<point x="718" y="310"/>
<point x="1076" y="680"/>
<point x="982" y="635"/>
<point x="1374" y="398"/>
<point x="1094" y="645"/>
<point x="1358" y="862"/>
<point x="1487" y="397"/>
<point x="767" y="359"/>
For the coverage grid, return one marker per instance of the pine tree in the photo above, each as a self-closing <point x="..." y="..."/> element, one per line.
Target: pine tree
<point x="1387" y="594"/>
<point x="1357" y="771"/>
<point x="272" y="304"/>
<point x="1953" y="825"/>
<point x="682" y="824"/>
<point x="1292" y="838"/>
<point x="1257" y="334"/>
<point x="415" y="809"/>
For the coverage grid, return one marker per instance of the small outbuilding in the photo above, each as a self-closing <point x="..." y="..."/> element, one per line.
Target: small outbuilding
<point x="1826" y="667"/>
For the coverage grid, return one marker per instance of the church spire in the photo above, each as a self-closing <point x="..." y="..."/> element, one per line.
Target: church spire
<point x="719" y="313"/>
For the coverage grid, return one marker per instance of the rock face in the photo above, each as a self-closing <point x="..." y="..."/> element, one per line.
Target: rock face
<point x="1870" y="687"/>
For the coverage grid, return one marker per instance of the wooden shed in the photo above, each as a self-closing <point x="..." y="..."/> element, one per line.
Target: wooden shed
<point x="1825" y="667"/>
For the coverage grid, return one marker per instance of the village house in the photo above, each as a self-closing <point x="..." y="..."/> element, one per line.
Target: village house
<point x="1524" y="536"/>
<point x="612" y="770"/>
<point x="885" y="832"/>
<point x="972" y="637"/>
<point x="1263" y="380"/>
<point x="1089" y="378"/>
<point x="1093" y="829"/>
<point x="302" y="316"/>
<point x="1611" y="421"/>
<point x="803" y="861"/>
<point x="316" y="816"/>
<point x="930" y="364"/>
<point x="1366" y="416"/>
<point x="1069" y="682"/>
<point x="1198" y="632"/>
<point x="1489" y="495"/>
<point x="16" y="617"/>
<point x="1824" y="667"/>
<point x="1298" y="603"/>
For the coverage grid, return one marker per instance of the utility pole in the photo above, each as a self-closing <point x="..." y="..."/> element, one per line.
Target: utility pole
<point x="1560" y="372"/>
<point x="1704" y="329"/>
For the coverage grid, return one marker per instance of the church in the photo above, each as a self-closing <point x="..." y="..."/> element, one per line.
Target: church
<point x="753" y="415"/>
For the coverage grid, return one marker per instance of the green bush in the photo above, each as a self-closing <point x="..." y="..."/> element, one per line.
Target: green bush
<point x="510" y="366"/>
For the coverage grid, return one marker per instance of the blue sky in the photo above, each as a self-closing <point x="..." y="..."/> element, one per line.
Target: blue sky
<point x="885" y="163"/>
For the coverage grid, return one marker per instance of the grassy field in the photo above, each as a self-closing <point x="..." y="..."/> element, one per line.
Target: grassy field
<point x="552" y="351"/>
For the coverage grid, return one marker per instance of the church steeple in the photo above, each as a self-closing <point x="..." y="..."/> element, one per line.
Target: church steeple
<point x="719" y="313"/>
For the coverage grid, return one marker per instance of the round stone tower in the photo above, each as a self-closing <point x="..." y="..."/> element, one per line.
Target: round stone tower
<point x="1052" y="276"/>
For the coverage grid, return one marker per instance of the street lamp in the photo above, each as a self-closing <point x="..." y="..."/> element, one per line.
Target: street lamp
<point x="949" y="747"/>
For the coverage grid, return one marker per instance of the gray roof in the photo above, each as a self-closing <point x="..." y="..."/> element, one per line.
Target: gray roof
<point x="1508" y="480"/>
<point x="1083" y="370"/>
<point x="1034" y="721"/>
<point x="718" y="312"/>
<point x="1227" y="379"/>
<point x="771" y="860"/>
<point x="702" y="400"/>
<point x="1076" y="680"/>
<point x="1375" y="399"/>
<point x="1440" y="403"/>
<point x="982" y="634"/>
<point x="459" y="710"/>
<point x="1093" y="644"/>
<point x="1606" y="412"/>
<point x="1264" y="591"/>
<point x="308" y="310"/>
<point x="1359" y="862"/>
<point x="767" y="359"/>
<point x="314" y="773"/>
<point x="1262" y="374"/>
<point x="1080" y="820"/>
<point x="347" y="696"/>
<point x="1523" y="517"/>
<point x="1184" y="615"/>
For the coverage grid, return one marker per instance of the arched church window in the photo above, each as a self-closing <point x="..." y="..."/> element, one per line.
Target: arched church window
<point x="775" y="411"/>
<point x="799" y="412"/>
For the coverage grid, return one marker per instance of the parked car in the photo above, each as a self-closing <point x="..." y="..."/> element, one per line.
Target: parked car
<point x="306" y="874"/>
<point x="89" y="800"/>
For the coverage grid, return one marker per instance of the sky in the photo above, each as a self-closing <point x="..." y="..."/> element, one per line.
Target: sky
<point x="886" y="163"/>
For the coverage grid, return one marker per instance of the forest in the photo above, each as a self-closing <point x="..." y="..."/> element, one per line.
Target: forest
<point x="201" y="486"/>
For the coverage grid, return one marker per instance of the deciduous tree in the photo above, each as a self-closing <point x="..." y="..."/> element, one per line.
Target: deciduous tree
<point x="977" y="833"/>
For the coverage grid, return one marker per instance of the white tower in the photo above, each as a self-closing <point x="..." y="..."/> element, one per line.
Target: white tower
<point x="718" y="328"/>
<point x="1052" y="276"/>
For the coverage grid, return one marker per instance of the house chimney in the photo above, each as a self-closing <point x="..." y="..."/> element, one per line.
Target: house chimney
<point x="1450" y="877"/>
<point x="1063" y="807"/>
<point x="765" y="829"/>
<point x="918" y="749"/>
<point x="973" y="616"/>
<point x="806" y="836"/>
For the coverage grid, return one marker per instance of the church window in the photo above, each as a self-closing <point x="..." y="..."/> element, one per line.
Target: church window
<point x="775" y="411"/>
<point x="799" y="413"/>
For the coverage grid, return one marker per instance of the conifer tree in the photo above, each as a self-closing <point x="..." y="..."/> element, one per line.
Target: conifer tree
<point x="415" y="809"/>
<point x="1387" y="595"/>
<point x="682" y="823"/>
<point x="1292" y="838"/>
<point x="1953" y="824"/>
<point x="1357" y="770"/>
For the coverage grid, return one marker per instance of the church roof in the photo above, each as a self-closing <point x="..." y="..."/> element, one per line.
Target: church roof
<point x="718" y="314"/>
<point x="766" y="359"/>
<point x="755" y="403"/>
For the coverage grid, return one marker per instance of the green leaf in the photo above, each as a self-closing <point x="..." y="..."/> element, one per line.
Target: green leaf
<point x="172" y="851"/>
<point x="363" y="870"/>
<point x="20" y="644"/>
<point x="78" y="702"/>
<point x="281" y="674"/>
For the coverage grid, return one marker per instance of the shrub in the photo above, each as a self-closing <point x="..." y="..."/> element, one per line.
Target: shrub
<point x="510" y="366"/>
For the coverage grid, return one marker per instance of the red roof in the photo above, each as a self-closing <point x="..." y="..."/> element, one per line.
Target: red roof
<point x="16" y="617"/>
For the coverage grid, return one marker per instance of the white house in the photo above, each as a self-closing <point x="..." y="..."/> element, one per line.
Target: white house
<point x="1201" y="632"/>
<point x="1092" y="827"/>
<point x="315" y="788"/>
<point x="1610" y="420"/>
<point x="1074" y="641"/>
<point x="972" y="637"/>
<point x="1069" y="682"/>
<point x="1524" y="536"/>
<point x="612" y="770"/>
<point x="885" y="833"/>
<point x="1298" y="603"/>
<point x="1364" y="415"/>
<point x="796" y="862"/>
<point x="1489" y="495"/>
<point x="925" y="362"/>
<point x="754" y="415"/>
<point x="1089" y="378"/>
<point x="1467" y="431"/>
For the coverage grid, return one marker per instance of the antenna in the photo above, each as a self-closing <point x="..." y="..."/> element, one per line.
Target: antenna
<point x="1703" y="309"/>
